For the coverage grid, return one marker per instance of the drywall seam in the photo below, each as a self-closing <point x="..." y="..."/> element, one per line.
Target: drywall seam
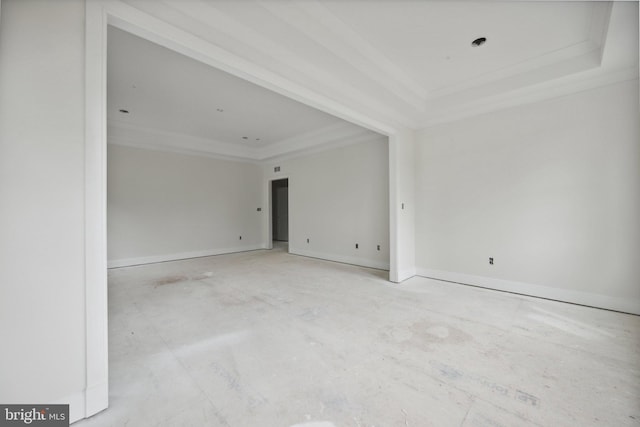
<point x="541" y="291"/>
<point x="128" y="262"/>
<point x="362" y="262"/>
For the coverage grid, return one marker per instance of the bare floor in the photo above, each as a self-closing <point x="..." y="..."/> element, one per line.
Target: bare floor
<point x="267" y="339"/>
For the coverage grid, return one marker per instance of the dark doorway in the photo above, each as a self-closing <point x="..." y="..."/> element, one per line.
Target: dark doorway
<point x="280" y="210"/>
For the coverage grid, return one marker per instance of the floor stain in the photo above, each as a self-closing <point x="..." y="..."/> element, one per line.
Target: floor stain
<point x="169" y="280"/>
<point x="427" y="333"/>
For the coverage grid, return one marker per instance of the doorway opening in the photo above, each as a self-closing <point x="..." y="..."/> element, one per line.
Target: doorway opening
<point x="280" y="213"/>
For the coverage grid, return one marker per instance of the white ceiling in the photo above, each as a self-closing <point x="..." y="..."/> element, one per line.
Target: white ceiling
<point x="162" y="89"/>
<point x="404" y="64"/>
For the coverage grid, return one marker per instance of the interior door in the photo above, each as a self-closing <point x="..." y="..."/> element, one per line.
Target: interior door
<point x="282" y="214"/>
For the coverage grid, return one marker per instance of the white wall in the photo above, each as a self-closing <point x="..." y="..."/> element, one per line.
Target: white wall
<point x="42" y="308"/>
<point x="164" y="206"/>
<point x="550" y="190"/>
<point x="338" y="198"/>
<point x="402" y="207"/>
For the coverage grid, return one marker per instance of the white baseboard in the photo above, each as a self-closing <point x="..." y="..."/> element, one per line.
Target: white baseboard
<point x="96" y="399"/>
<point x="76" y="402"/>
<point x="541" y="291"/>
<point x="362" y="262"/>
<point x="127" y="262"/>
<point x="405" y="274"/>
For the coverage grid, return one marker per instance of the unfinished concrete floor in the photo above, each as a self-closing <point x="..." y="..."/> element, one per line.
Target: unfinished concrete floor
<point x="267" y="339"/>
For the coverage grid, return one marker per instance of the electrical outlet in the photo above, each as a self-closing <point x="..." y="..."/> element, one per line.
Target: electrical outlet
<point x="491" y="260"/>
<point x="259" y="209"/>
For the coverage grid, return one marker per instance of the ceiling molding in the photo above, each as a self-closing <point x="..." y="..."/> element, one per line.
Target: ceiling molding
<point x="361" y="137"/>
<point x="143" y="25"/>
<point x="538" y="93"/>
<point x="335" y="36"/>
<point x="515" y="83"/>
<point x="599" y="27"/>
<point x="595" y="60"/>
<point x="341" y="133"/>
<point x="325" y="81"/>
<point x="121" y="133"/>
<point x="587" y="53"/>
<point x="329" y="137"/>
<point x="577" y="74"/>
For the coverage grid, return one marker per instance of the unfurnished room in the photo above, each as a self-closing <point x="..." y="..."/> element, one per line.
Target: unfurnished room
<point x="319" y="213"/>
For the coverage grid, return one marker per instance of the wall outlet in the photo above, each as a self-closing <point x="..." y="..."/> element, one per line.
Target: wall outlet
<point x="259" y="209"/>
<point x="276" y="169"/>
<point x="491" y="260"/>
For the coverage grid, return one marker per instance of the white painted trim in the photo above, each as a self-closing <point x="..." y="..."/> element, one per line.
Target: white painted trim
<point x="76" y="402"/>
<point x="330" y="137"/>
<point x="545" y="91"/>
<point x="96" y="392"/>
<point x="541" y="68"/>
<point x="155" y="139"/>
<point x="405" y="274"/>
<point x="341" y="40"/>
<point x="345" y="259"/>
<point x="309" y="149"/>
<point x="128" y="262"/>
<point x="143" y="25"/>
<point x="247" y="35"/>
<point x="401" y="221"/>
<point x="183" y="151"/>
<point x="541" y="291"/>
<point x="394" y="205"/>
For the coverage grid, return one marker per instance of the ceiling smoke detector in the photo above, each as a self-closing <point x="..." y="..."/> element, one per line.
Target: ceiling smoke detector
<point x="479" y="42"/>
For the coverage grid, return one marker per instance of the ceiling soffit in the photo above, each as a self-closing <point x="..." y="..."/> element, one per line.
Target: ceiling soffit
<point x="324" y="48"/>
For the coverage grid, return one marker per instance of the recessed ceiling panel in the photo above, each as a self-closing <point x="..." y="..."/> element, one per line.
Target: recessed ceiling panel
<point x="432" y="41"/>
<point x="166" y="91"/>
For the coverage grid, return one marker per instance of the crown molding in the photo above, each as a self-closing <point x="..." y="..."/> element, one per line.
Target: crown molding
<point x="302" y="143"/>
<point x="342" y="41"/>
<point x="300" y="71"/>
<point x="574" y="68"/>
<point x="143" y="25"/>
<point x="121" y="133"/>
<point x="573" y="58"/>
<point x="548" y="90"/>
<point x="328" y="137"/>
<point x="338" y="142"/>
